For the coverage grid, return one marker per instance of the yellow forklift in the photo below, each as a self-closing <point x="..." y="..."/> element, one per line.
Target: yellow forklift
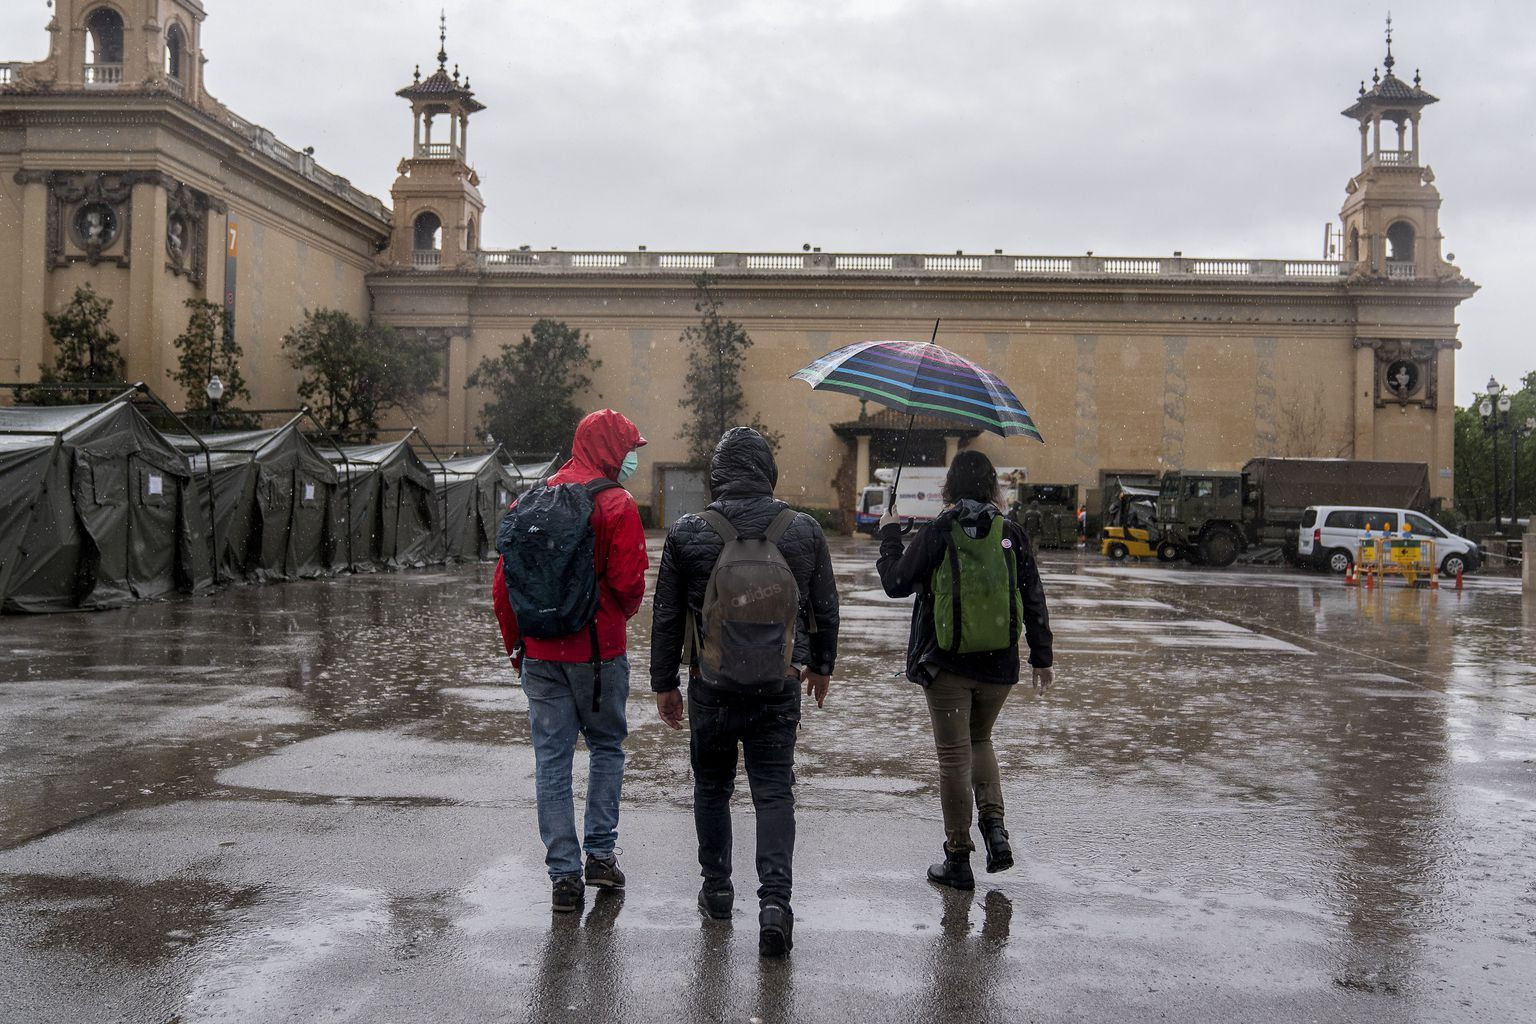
<point x="1130" y="526"/>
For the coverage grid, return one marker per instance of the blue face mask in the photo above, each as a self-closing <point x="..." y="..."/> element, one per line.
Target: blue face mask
<point x="628" y="466"/>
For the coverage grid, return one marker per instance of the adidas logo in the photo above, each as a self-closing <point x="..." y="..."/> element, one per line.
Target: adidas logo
<point x="756" y="594"/>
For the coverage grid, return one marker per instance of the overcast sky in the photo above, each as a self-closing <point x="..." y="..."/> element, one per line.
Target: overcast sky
<point x="1125" y="128"/>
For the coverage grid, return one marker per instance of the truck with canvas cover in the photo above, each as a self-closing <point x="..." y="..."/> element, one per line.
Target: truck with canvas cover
<point x="1213" y="517"/>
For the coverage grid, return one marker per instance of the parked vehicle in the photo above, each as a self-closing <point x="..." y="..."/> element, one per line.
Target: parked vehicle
<point x="921" y="498"/>
<point x="1331" y="534"/>
<point x="1121" y="542"/>
<point x="1213" y="517"/>
<point x="1047" y="512"/>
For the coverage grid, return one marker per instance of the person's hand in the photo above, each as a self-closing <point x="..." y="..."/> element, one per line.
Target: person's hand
<point x="1044" y="677"/>
<point x="669" y="705"/>
<point x="889" y="517"/>
<point x="517" y="660"/>
<point x="815" y="685"/>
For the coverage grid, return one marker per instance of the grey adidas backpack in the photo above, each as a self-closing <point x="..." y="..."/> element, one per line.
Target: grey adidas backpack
<point x="746" y="641"/>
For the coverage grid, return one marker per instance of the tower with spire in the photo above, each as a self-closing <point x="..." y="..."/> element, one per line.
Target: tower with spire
<point x="1392" y="213"/>
<point x="437" y="204"/>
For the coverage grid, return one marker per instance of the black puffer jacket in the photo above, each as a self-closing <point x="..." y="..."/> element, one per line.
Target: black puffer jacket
<point x="742" y="475"/>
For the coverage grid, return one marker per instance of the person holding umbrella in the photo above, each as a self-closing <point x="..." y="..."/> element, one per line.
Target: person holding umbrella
<point x="977" y="585"/>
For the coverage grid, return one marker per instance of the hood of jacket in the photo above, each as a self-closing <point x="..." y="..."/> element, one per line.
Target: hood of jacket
<point x="602" y="440"/>
<point x="742" y="465"/>
<point x="975" y="517"/>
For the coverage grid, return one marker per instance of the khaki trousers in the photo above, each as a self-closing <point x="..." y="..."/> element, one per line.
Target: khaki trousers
<point x="963" y="712"/>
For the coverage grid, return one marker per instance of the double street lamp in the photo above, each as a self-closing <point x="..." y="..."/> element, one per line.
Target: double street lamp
<point x="1494" y="409"/>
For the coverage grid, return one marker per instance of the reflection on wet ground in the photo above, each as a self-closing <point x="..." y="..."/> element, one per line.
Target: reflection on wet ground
<point x="1252" y="794"/>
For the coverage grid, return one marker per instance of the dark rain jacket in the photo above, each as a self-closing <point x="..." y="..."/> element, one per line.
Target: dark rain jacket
<point x="742" y="475"/>
<point x="909" y="571"/>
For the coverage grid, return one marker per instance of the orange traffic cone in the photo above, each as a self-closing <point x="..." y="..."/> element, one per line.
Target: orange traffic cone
<point x="1349" y="576"/>
<point x="1370" y="579"/>
<point x="1458" y="579"/>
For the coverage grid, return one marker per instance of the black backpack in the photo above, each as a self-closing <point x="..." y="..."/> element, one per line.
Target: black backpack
<point x="546" y="543"/>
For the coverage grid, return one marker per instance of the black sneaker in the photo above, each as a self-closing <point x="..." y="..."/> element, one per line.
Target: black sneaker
<point x="567" y="895"/>
<point x="717" y="903"/>
<point x="776" y="934"/>
<point x="604" y="873"/>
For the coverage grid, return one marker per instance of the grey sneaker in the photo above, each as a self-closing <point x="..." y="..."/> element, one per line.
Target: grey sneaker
<point x="604" y="873"/>
<point x="567" y="895"/>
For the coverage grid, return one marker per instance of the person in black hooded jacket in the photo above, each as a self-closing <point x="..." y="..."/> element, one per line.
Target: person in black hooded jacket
<point x="965" y="691"/>
<point x="742" y="475"/>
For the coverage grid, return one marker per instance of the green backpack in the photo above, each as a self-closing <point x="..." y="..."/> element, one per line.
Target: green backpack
<point x="976" y="602"/>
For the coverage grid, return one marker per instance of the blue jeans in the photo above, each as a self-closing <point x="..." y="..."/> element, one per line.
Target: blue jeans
<point x="560" y="706"/>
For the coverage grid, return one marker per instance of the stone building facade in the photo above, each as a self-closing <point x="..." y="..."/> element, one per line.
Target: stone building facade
<point x="1128" y="364"/>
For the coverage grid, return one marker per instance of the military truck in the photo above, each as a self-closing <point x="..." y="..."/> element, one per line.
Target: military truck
<point x="1213" y="517"/>
<point x="1047" y="512"/>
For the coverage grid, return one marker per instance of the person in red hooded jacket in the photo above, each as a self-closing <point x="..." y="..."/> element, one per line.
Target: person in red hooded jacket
<point x="557" y="672"/>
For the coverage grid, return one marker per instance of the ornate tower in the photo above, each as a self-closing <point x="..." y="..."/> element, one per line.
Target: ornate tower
<point x="1392" y="215"/>
<point x="141" y="45"/>
<point x="437" y="204"/>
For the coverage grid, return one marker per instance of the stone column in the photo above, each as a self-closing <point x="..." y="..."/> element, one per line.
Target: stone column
<point x="1365" y="401"/>
<point x="459" y="417"/>
<point x="951" y="448"/>
<point x="1365" y="146"/>
<point x="33" y="346"/>
<point x="143" y="347"/>
<point x="860" y="465"/>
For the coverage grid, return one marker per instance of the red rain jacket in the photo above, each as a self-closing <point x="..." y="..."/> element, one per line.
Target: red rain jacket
<point x="602" y="440"/>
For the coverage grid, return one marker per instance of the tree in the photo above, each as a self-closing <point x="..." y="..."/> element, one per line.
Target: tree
<point x="714" y="399"/>
<point x="204" y="350"/>
<point x="85" y="349"/>
<point x="533" y="387"/>
<point x="353" y="372"/>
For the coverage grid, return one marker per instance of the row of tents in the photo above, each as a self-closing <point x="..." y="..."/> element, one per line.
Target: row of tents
<point x="98" y="508"/>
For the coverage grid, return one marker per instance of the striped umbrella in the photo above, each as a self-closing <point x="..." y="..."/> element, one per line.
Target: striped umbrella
<point x="922" y="377"/>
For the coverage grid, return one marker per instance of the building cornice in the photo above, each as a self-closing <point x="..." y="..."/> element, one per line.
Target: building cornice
<point x="279" y="169"/>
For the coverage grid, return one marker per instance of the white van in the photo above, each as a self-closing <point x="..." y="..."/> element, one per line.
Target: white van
<point x="1329" y="537"/>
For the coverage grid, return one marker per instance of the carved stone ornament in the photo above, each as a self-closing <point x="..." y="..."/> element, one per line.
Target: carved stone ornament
<point x="90" y="218"/>
<point x="186" y="232"/>
<point x="1407" y="373"/>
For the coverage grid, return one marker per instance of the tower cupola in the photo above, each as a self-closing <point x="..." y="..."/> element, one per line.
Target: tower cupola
<point x="436" y="199"/>
<point x="1391" y="216"/>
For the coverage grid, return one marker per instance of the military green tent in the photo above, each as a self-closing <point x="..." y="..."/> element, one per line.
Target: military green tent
<point x="386" y="510"/>
<point x="471" y="494"/>
<point x="96" y="510"/>
<point x="275" y="500"/>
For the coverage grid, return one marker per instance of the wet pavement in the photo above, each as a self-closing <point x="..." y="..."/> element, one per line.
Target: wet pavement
<point x="1253" y="795"/>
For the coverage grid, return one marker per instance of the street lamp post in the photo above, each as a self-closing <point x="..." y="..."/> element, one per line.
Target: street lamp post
<point x="1494" y="409"/>
<point x="215" y="390"/>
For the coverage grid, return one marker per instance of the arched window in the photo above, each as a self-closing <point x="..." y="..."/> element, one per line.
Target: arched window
<point x="1400" y="242"/>
<point x="429" y="232"/>
<point x="469" y="236"/>
<point x="175" y="52"/>
<point x="1354" y="244"/>
<point x="104" y="37"/>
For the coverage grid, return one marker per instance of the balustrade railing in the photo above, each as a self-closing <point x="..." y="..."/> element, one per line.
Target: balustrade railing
<point x="426" y="259"/>
<point x="1400" y="270"/>
<point x="437" y="151"/>
<point x="8" y="73"/>
<point x="905" y="264"/>
<point x="103" y="74"/>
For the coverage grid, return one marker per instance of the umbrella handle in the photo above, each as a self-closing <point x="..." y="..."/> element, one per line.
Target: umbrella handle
<point x="910" y="524"/>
